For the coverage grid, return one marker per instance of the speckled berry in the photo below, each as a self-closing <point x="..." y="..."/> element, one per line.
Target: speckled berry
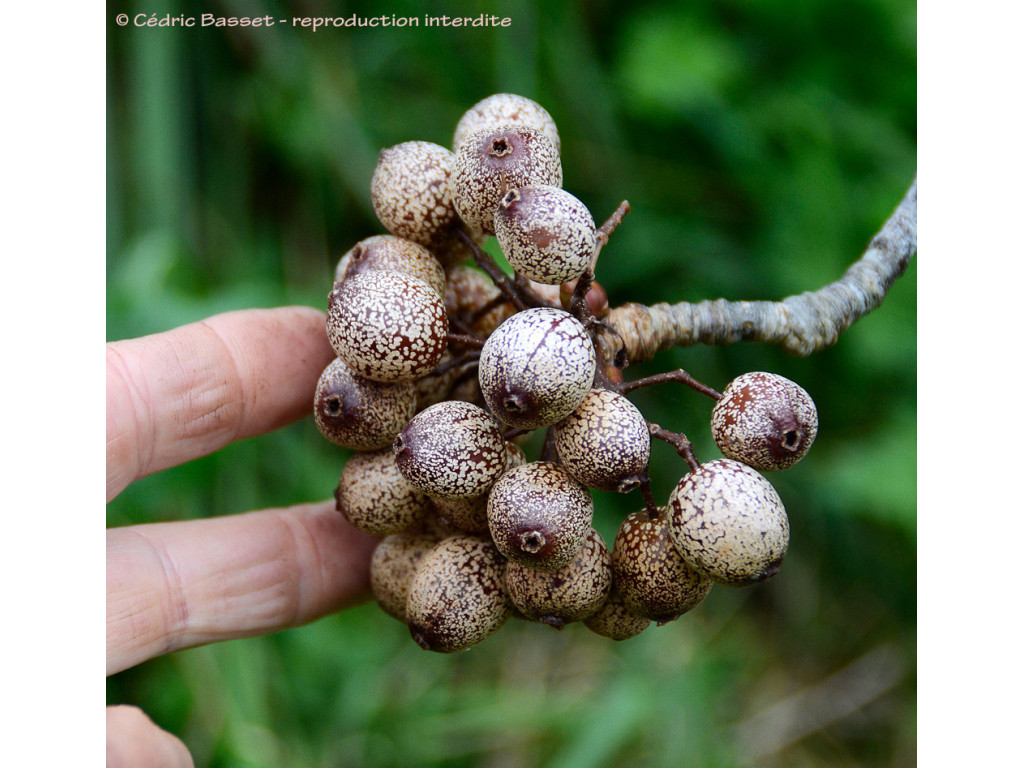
<point x="357" y="413"/>
<point x="536" y="367"/>
<point x="650" y="573"/>
<point x="388" y="326"/>
<point x="457" y="598"/>
<point x="614" y="620"/>
<point x="470" y="514"/>
<point x="764" y="420"/>
<point x="450" y="450"/>
<point x="547" y="234"/>
<point x="539" y="516"/>
<point x="374" y="496"/>
<point x="396" y="558"/>
<point x="411" y="194"/>
<point x="397" y="254"/>
<point x="729" y="523"/>
<point x="490" y="162"/>
<point x="504" y="109"/>
<point x="605" y="443"/>
<point x="567" y="594"/>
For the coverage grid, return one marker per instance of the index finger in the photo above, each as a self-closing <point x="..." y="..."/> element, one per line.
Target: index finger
<point x="181" y="394"/>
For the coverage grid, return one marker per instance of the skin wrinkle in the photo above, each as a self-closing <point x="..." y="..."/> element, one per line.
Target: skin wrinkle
<point x="176" y="612"/>
<point x="135" y="630"/>
<point x="217" y="390"/>
<point x="128" y="458"/>
<point x="252" y="574"/>
<point x="227" y="395"/>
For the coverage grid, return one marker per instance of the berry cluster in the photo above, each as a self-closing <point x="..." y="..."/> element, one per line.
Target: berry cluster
<point x="445" y="363"/>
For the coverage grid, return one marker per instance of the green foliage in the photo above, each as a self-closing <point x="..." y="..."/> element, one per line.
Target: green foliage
<point x="761" y="144"/>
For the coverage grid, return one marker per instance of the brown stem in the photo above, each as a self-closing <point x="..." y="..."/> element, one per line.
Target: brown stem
<point x="464" y="338"/>
<point x="606" y="229"/>
<point x="513" y="432"/>
<point x="468" y="357"/>
<point x="659" y="378"/>
<point x="677" y="440"/>
<point x="548" y="452"/>
<point x="650" y="505"/>
<point x="578" y="305"/>
<point x="488" y="265"/>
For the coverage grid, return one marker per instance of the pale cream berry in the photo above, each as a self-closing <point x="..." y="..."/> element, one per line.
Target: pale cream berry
<point x="650" y="573"/>
<point x="374" y="496"/>
<point x="536" y="367"/>
<point x="358" y="413"/>
<point x="567" y="594"/>
<point x="605" y="443"/>
<point x="490" y="162"/>
<point x="396" y="558"/>
<point x="547" y="234"/>
<point x="390" y="252"/>
<point x="452" y="449"/>
<point x="504" y="109"/>
<point x="387" y="326"/>
<point x="457" y="597"/>
<point x="764" y="420"/>
<point x="539" y="516"/>
<point x="614" y="620"/>
<point x="411" y="193"/>
<point x="729" y="523"/>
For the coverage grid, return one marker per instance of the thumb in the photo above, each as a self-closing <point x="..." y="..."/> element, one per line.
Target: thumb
<point x="135" y="741"/>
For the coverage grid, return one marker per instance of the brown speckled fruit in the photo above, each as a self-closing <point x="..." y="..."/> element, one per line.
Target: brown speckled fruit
<point x="357" y="413"/>
<point x="764" y="420"/>
<point x="393" y="253"/>
<point x="388" y="326"/>
<point x="451" y="450"/>
<point x="470" y="514"/>
<point x="570" y="593"/>
<point x="614" y="620"/>
<point x="503" y="109"/>
<point x="492" y="161"/>
<point x="650" y="574"/>
<point x="546" y="234"/>
<point x="411" y="193"/>
<point x="605" y="443"/>
<point x="536" y="367"/>
<point x="395" y="561"/>
<point x="457" y="598"/>
<point x="539" y="516"/>
<point x="729" y="523"/>
<point x="464" y="514"/>
<point x="375" y="498"/>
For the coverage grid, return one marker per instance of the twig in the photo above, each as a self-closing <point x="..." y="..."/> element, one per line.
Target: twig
<point x="802" y="324"/>
<point x="677" y="440"/>
<point x="500" y="279"/>
<point x="660" y="378"/>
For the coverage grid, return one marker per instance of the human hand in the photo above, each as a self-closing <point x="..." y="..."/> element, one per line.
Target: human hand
<point x="175" y="396"/>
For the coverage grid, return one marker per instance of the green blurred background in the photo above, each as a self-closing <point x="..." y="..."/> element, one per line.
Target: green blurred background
<point x="761" y="144"/>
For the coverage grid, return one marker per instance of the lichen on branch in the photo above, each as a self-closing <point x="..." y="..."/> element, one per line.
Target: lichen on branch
<point x="801" y="324"/>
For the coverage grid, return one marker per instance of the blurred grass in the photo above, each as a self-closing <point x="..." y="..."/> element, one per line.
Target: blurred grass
<point x="761" y="144"/>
